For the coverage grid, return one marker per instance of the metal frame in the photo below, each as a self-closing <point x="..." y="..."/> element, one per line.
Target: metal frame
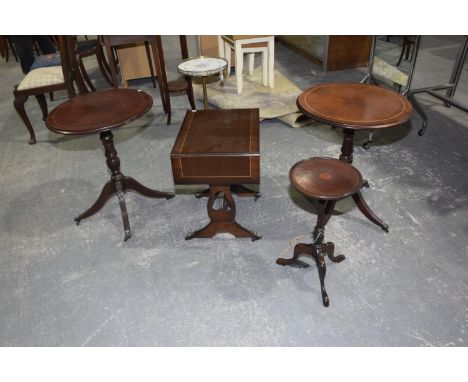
<point x="450" y="87"/>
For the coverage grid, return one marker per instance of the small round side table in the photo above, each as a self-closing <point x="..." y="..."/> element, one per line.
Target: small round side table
<point x="355" y="107"/>
<point x="327" y="180"/>
<point x="99" y="112"/>
<point x="203" y="67"/>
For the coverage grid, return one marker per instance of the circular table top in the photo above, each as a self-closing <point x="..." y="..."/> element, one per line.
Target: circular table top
<point x="202" y="66"/>
<point x="355" y="106"/>
<point x="325" y="178"/>
<point x="99" y="111"/>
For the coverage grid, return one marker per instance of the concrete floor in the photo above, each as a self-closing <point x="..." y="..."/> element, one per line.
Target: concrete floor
<point x="63" y="285"/>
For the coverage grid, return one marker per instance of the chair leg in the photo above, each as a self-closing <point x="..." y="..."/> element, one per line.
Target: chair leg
<point x="13" y="50"/>
<point x="265" y="68"/>
<point x="220" y="47"/>
<point x="168" y="106"/>
<point x="271" y="63"/>
<point x="190" y="93"/>
<point x="103" y="65"/>
<point x="227" y="56"/>
<point x="150" y="63"/>
<point x="402" y="53"/>
<point x="239" y="67"/>
<point x="85" y="76"/>
<point x="18" y="103"/>
<point x="41" y="100"/>
<point x="251" y="63"/>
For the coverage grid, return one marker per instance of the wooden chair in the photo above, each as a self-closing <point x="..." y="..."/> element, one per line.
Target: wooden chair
<point x="46" y="80"/>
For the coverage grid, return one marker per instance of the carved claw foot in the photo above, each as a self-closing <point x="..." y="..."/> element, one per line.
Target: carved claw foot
<point x="329" y="249"/>
<point x="325" y="299"/>
<point x="256" y="237"/>
<point x="292" y="262"/>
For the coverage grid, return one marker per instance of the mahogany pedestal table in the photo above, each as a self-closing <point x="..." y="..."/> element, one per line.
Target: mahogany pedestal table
<point x="220" y="148"/>
<point x="355" y="107"/>
<point x="99" y="112"/>
<point x="327" y="180"/>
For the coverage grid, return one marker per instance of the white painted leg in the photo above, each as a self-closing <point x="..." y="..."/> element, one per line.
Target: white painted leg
<point x="271" y="62"/>
<point x="227" y="56"/>
<point x="239" y="67"/>
<point x="251" y="62"/>
<point x="265" y="67"/>
<point x="220" y="47"/>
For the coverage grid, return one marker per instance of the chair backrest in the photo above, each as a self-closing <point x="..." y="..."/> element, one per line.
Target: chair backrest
<point x="71" y="72"/>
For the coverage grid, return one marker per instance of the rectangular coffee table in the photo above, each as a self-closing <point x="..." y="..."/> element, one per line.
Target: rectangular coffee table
<point x="220" y="148"/>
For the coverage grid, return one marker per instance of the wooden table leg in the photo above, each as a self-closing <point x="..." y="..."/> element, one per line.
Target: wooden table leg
<point x="317" y="250"/>
<point x="118" y="185"/>
<point x="222" y="220"/>
<point x="347" y="149"/>
<point x="205" y="93"/>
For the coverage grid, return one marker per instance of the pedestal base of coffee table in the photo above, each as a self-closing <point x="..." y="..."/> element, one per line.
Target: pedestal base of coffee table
<point x="118" y="185"/>
<point x="318" y="252"/>
<point x="347" y="149"/>
<point x="223" y="219"/>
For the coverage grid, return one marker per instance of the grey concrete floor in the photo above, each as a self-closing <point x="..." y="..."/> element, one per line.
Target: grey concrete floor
<point x="68" y="285"/>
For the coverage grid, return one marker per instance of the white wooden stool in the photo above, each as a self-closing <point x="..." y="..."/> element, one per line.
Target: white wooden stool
<point x="249" y="44"/>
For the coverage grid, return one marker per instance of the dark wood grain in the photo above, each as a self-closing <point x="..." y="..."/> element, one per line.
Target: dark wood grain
<point x="220" y="148"/>
<point x="356" y="106"/>
<point x="325" y="178"/>
<point x="217" y="147"/>
<point x="99" y="111"/>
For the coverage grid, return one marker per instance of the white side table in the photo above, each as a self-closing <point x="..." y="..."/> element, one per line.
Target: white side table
<point x="203" y="67"/>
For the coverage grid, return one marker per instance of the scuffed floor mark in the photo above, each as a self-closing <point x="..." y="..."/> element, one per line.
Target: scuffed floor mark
<point x="99" y="328"/>
<point x="415" y="221"/>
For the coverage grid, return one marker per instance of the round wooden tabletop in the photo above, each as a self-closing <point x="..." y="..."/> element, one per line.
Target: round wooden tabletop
<point x="355" y="106"/>
<point x="99" y="111"/>
<point x="325" y="178"/>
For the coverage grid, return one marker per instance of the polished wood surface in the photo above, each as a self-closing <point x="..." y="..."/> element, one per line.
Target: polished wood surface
<point x="325" y="178"/>
<point x="218" y="147"/>
<point x="99" y="111"/>
<point x="355" y="106"/>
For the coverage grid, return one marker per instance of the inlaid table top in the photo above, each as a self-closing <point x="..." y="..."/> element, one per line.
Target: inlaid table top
<point x="99" y="111"/>
<point x="355" y="106"/>
<point x="325" y="178"/>
<point x="217" y="147"/>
